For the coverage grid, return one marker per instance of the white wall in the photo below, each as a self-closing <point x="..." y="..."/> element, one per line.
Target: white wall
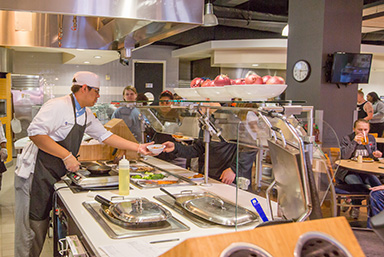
<point x="376" y="83"/>
<point x="59" y="75"/>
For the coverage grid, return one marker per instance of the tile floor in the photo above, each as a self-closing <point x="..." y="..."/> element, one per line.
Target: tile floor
<point x="7" y="218"/>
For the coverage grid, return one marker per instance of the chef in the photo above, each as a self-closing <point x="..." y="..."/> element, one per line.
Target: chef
<point x="56" y="133"/>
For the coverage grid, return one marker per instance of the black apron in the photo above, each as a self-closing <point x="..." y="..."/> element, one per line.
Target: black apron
<point x="49" y="169"/>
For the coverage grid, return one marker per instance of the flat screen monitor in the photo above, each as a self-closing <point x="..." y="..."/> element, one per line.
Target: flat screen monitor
<point x="351" y="67"/>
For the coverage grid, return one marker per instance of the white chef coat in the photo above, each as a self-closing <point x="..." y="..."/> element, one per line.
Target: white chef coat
<point x="56" y="119"/>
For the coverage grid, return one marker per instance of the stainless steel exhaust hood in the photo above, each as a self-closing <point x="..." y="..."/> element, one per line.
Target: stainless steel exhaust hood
<point x="95" y="24"/>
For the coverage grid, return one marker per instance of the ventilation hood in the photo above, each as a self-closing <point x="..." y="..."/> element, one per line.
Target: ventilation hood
<point x="123" y="25"/>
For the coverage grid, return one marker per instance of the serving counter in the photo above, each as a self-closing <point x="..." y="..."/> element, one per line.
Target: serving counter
<point x="93" y="236"/>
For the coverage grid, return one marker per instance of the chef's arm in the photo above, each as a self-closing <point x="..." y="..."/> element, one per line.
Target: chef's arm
<point x="121" y="143"/>
<point x="48" y="145"/>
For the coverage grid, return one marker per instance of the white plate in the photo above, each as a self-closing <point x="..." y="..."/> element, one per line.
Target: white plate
<point x="189" y="93"/>
<point x="255" y="92"/>
<point x="215" y="93"/>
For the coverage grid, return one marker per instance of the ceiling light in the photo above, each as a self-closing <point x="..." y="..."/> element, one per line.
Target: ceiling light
<point x="285" y="31"/>
<point x="97" y="57"/>
<point x="209" y="18"/>
<point x="86" y="62"/>
<point x="255" y="65"/>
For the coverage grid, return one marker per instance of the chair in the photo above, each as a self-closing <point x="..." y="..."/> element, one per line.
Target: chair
<point x="344" y="192"/>
<point x="352" y="192"/>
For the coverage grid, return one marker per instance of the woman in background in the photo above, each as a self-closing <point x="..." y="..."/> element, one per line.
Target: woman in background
<point x="377" y="121"/>
<point x="129" y="113"/>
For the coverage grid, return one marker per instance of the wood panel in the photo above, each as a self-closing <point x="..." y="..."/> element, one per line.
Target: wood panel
<point x="104" y="152"/>
<point x="278" y="240"/>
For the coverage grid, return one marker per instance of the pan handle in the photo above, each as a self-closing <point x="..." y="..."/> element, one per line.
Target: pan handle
<point x="103" y="200"/>
<point x="168" y="193"/>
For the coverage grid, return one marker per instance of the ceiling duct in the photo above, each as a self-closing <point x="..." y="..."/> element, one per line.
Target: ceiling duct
<point x="93" y="24"/>
<point x="6" y="60"/>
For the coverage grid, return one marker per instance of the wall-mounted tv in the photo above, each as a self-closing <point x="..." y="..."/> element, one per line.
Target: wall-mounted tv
<point x="350" y="67"/>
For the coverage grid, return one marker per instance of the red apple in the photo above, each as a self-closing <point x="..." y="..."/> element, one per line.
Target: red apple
<point x="239" y="81"/>
<point x="196" y="82"/>
<point x="207" y="83"/>
<point x="266" y="78"/>
<point x="222" y="80"/>
<point x="253" y="79"/>
<point x="275" y="80"/>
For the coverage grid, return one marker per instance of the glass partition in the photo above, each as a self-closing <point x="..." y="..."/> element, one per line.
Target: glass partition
<point x="248" y="126"/>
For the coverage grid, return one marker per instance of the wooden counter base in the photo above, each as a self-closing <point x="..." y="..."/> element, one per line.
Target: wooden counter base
<point x="278" y="240"/>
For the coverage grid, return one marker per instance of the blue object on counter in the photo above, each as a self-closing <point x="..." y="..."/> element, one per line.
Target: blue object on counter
<point x="259" y="209"/>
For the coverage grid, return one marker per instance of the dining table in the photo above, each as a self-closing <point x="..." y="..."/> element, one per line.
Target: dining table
<point x="374" y="167"/>
<point x="380" y="140"/>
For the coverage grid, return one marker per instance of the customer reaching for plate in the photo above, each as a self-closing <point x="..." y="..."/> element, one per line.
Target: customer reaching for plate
<point x="56" y="133"/>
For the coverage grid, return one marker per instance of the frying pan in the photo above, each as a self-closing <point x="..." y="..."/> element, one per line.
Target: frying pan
<point x="98" y="169"/>
<point x="136" y="211"/>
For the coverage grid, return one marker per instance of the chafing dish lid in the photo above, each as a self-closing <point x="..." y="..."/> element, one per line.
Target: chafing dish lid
<point x="140" y="211"/>
<point x="216" y="210"/>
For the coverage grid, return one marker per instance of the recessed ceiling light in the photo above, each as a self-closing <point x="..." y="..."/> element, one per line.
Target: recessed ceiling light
<point x="86" y="62"/>
<point x="56" y="78"/>
<point x="255" y="65"/>
<point x="97" y="57"/>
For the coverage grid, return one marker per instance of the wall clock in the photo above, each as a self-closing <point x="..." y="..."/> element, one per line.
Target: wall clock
<point x="301" y="71"/>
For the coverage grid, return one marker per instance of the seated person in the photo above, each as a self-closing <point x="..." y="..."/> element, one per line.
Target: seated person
<point x="128" y="113"/>
<point x="376" y="202"/>
<point x="351" y="146"/>
<point x="222" y="158"/>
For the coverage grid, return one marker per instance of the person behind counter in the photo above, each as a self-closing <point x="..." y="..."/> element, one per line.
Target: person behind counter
<point x="56" y="133"/>
<point x="128" y="113"/>
<point x="351" y="146"/>
<point x="167" y="115"/>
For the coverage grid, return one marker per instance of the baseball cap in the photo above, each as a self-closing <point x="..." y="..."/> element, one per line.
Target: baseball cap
<point x="86" y="77"/>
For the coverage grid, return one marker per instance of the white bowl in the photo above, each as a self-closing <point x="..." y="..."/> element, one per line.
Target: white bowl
<point x="215" y="93"/>
<point x="381" y="160"/>
<point x="189" y="93"/>
<point x="255" y="91"/>
<point x="156" y="148"/>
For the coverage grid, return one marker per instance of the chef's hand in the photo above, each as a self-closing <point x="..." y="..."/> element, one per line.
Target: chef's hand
<point x="228" y="176"/>
<point x="144" y="150"/>
<point x="169" y="147"/>
<point x="377" y="154"/>
<point x="71" y="163"/>
<point x="3" y="154"/>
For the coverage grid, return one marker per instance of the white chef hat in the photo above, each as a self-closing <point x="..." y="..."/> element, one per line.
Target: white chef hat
<point x="86" y="77"/>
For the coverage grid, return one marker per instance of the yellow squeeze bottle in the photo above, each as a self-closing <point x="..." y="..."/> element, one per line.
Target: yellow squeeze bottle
<point x="124" y="177"/>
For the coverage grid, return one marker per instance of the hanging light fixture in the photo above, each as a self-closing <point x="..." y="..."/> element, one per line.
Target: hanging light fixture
<point x="209" y="18"/>
<point x="285" y="31"/>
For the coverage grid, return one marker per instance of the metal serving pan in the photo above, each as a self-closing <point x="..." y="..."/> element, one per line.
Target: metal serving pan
<point x="136" y="211"/>
<point x="212" y="208"/>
